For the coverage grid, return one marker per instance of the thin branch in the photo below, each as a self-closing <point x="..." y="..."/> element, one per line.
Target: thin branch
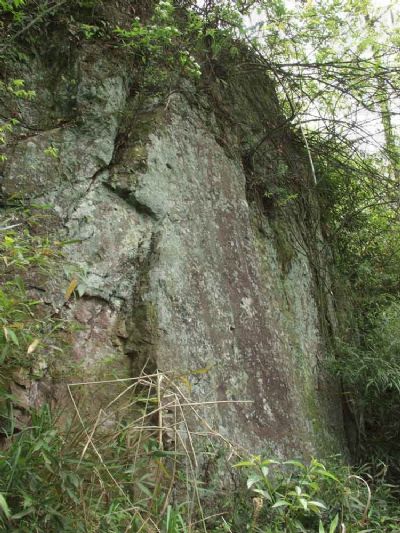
<point x="35" y="20"/>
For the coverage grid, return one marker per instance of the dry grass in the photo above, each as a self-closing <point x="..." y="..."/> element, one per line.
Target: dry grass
<point x="165" y="443"/>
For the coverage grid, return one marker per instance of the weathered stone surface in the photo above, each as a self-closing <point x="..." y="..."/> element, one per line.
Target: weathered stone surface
<point x="178" y="264"/>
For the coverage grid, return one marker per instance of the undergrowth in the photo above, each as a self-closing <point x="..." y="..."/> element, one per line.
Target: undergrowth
<point x="293" y="496"/>
<point x="30" y="331"/>
<point x="370" y="373"/>
<point x="84" y="477"/>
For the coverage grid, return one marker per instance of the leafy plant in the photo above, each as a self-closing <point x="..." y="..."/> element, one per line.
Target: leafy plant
<point x="14" y="90"/>
<point x="293" y="496"/>
<point x="12" y="7"/>
<point x="370" y="373"/>
<point x="291" y="492"/>
<point x="52" y="151"/>
<point x="46" y="486"/>
<point x="23" y="329"/>
<point x="160" y="41"/>
<point x="31" y="334"/>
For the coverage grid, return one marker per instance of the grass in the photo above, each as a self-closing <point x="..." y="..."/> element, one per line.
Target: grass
<point x="134" y="465"/>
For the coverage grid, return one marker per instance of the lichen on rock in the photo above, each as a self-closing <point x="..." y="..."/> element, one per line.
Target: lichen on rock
<point x="185" y="257"/>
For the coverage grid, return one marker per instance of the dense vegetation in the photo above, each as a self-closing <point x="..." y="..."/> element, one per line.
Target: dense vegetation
<point x="336" y="68"/>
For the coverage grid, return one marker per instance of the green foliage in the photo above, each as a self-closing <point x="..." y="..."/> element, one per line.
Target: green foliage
<point x="295" y="497"/>
<point x="46" y="486"/>
<point x="52" y="151"/>
<point x="89" y="477"/>
<point x="36" y="479"/>
<point x="291" y="491"/>
<point x="91" y="31"/>
<point x="370" y="372"/>
<point x="160" y="41"/>
<point x="12" y="7"/>
<point x="13" y="91"/>
<point x="30" y="332"/>
<point x="360" y="206"/>
<point x="174" y="522"/>
<point x="22" y="329"/>
<point x="51" y="479"/>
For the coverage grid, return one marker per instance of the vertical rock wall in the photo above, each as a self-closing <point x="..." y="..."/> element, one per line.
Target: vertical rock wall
<point x="190" y="260"/>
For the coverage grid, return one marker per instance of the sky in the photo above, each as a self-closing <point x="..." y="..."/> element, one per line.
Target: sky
<point x="369" y="122"/>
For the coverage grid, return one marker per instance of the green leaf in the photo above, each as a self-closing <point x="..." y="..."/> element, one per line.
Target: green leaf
<point x="334" y="524"/>
<point x="326" y="473"/>
<point x="264" y="493"/>
<point x="267" y="462"/>
<point x="144" y="489"/>
<point x="317" y="504"/>
<point x="314" y="508"/>
<point x="295" y="463"/>
<point x="10" y="335"/>
<point x="303" y="503"/>
<point x="4" y="506"/>
<point x="280" y="503"/>
<point x="265" y="470"/>
<point x="253" y="479"/>
<point x="243" y="464"/>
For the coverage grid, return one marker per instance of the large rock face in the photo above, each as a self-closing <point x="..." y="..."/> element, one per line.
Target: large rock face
<point x="190" y="261"/>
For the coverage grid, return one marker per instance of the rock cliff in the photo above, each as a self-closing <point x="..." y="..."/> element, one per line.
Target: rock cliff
<point x="196" y="254"/>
